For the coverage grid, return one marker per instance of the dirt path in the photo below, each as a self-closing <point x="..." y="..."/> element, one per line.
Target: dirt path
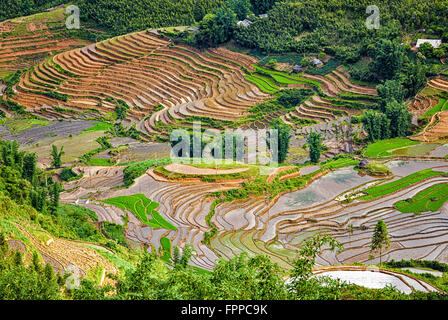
<point x="186" y="169"/>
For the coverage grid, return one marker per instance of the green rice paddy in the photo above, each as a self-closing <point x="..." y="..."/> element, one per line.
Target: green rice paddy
<point x="391" y="187"/>
<point x="442" y="105"/>
<point x="383" y="148"/>
<point x="143" y="208"/>
<point x="430" y="199"/>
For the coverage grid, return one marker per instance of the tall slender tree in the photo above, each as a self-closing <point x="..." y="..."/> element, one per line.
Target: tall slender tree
<point x="315" y="144"/>
<point x="380" y="238"/>
<point x="57" y="156"/>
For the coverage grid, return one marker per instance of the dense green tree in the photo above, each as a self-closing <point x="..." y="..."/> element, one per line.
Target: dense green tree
<point x="29" y="166"/>
<point x="186" y="256"/>
<point x="413" y="77"/>
<point x="262" y="6"/>
<point x="314" y="141"/>
<point x="301" y="284"/>
<point x="56" y="155"/>
<point x="399" y="117"/>
<point x="283" y="136"/>
<point x="390" y="90"/>
<point x="124" y="16"/>
<point x="55" y="190"/>
<point x="388" y="60"/>
<point x="11" y="156"/>
<point x="376" y="124"/>
<point x="216" y="28"/>
<point x="38" y="199"/>
<point x="380" y="238"/>
<point x="176" y="255"/>
<point x="242" y="8"/>
<point x="426" y="49"/>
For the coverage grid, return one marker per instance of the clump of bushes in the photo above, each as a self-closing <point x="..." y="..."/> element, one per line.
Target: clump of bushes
<point x="378" y="169"/>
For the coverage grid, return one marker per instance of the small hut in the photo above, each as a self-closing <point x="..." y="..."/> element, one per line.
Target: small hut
<point x="363" y="164"/>
<point x="297" y="68"/>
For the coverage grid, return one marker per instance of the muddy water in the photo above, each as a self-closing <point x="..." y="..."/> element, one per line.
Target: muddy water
<point x="416" y="151"/>
<point x="376" y="280"/>
<point x="405" y="168"/>
<point x="324" y="189"/>
<point x="441" y="151"/>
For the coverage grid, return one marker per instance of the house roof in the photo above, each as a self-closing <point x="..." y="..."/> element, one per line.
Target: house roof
<point x="316" y="61"/>
<point x="435" y="43"/>
<point x="244" y="23"/>
<point x="264" y="15"/>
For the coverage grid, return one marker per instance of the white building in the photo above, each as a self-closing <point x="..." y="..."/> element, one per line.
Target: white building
<point x="245" y="23"/>
<point x="433" y="42"/>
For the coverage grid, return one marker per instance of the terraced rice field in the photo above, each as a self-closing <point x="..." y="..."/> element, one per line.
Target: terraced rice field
<point x="144" y="71"/>
<point x="424" y="106"/>
<point x="436" y="129"/>
<point x="384" y="148"/>
<point x="70" y="256"/>
<point x="439" y="83"/>
<point x="28" y="40"/>
<point x="278" y="227"/>
<point x="430" y="199"/>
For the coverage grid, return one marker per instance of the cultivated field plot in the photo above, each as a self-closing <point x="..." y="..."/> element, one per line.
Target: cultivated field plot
<point x="157" y="80"/>
<point x="74" y="147"/>
<point x="30" y="131"/>
<point x="332" y="101"/>
<point x="28" y="40"/>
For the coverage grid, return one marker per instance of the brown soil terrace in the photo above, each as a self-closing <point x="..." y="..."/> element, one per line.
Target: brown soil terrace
<point x="186" y="169"/>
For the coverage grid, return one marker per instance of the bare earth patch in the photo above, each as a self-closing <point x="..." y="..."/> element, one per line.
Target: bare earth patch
<point x="186" y="169"/>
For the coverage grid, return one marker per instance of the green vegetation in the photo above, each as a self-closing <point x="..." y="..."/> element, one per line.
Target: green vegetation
<point x="114" y="231"/>
<point x="99" y="162"/>
<point x="143" y="208"/>
<point x="382" y="148"/>
<point x="430" y="199"/>
<point x="115" y="15"/>
<point x="73" y="222"/>
<point x="388" y="188"/>
<point x="166" y="248"/>
<point x="265" y="84"/>
<point x="18" y="125"/>
<point x="67" y="174"/>
<point x="135" y="170"/>
<point x="378" y="169"/>
<point x="327" y="68"/>
<point x="56" y="155"/>
<point x="340" y="161"/>
<point x="99" y="126"/>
